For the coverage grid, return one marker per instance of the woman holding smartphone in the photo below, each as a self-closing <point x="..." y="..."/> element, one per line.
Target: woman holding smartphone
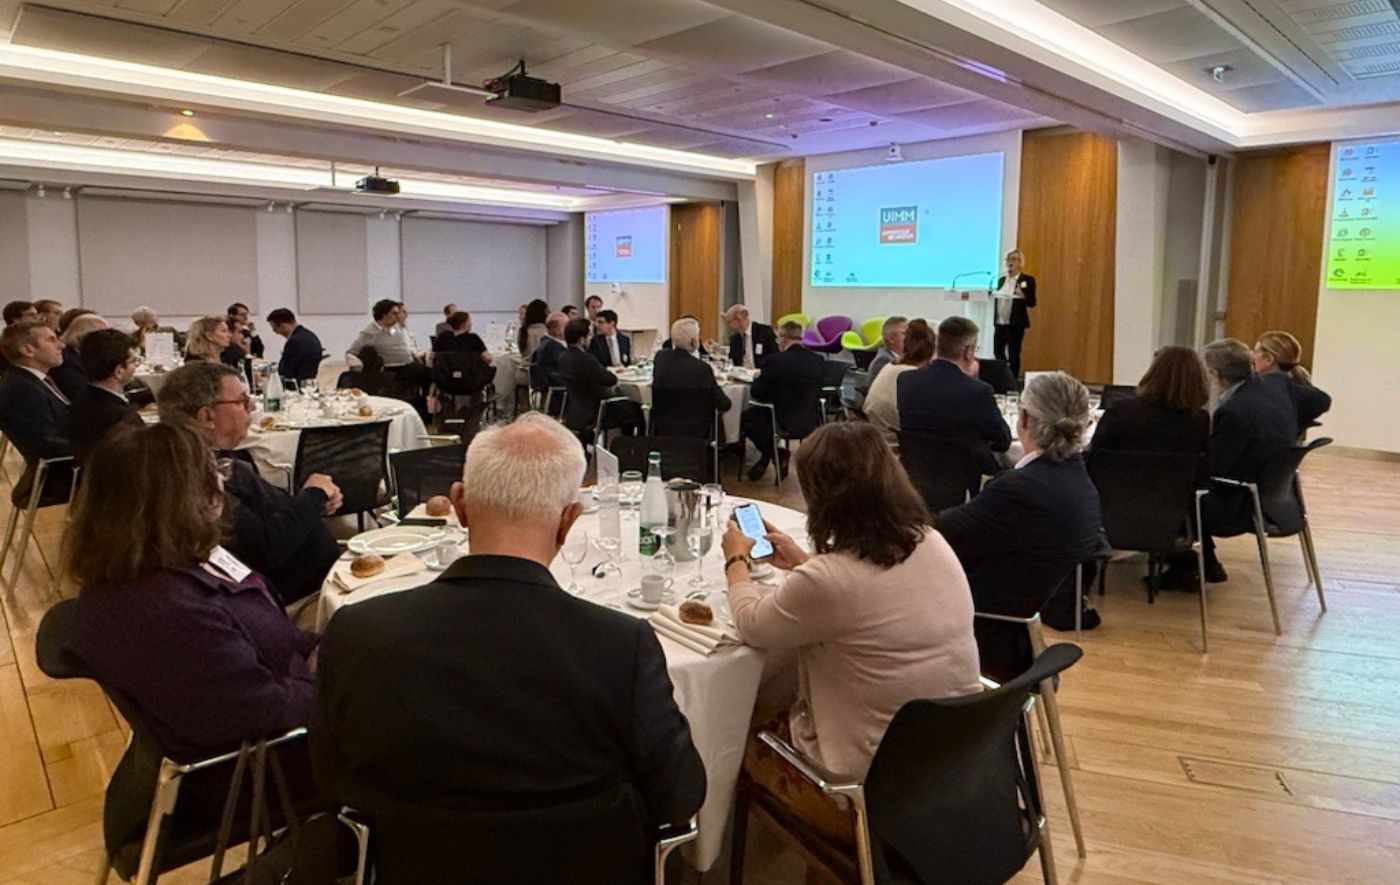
<point x="879" y="614"/>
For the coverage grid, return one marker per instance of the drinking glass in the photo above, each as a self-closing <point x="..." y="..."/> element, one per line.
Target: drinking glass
<point x="609" y="547"/>
<point x="632" y="487"/>
<point x="699" y="537"/>
<point x="662" y="560"/>
<point x="574" y="551"/>
<point x="307" y="386"/>
<point x="1095" y="402"/>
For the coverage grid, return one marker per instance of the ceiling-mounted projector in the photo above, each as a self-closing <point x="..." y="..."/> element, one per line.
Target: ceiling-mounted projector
<point x="520" y="92"/>
<point x="375" y="184"/>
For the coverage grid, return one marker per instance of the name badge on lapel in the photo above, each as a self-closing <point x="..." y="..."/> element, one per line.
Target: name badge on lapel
<point x="229" y="564"/>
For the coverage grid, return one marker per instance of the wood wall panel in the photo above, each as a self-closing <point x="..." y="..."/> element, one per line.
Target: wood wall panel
<point x="789" y="213"/>
<point x="1277" y="219"/>
<point x="1068" y="225"/>
<point x="694" y="272"/>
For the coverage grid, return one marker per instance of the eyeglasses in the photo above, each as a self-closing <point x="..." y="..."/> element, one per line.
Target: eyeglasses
<point x="245" y="401"/>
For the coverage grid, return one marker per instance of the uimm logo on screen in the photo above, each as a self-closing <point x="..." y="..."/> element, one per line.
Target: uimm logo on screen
<point x="899" y="224"/>
<point x="624" y="247"/>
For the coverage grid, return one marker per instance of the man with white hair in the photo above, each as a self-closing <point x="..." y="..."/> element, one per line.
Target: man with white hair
<point x="493" y="689"/>
<point x="680" y="368"/>
<point x="750" y="343"/>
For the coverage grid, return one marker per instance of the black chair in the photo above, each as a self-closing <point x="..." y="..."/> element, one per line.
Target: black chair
<point x="46" y="482"/>
<point x="686" y="411"/>
<point x="946" y="470"/>
<point x="1150" y="504"/>
<point x="153" y="818"/>
<point x="807" y="402"/>
<point x="1279" y="512"/>
<point x="1114" y="392"/>
<point x="616" y="413"/>
<point x="419" y="474"/>
<point x="852" y="396"/>
<point x="833" y="375"/>
<point x="953" y="793"/>
<point x="683" y="457"/>
<point x="355" y="456"/>
<point x="461" y="381"/>
<point x="996" y="373"/>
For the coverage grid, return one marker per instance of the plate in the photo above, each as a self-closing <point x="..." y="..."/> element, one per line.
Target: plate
<point x="634" y="599"/>
<point x="397" y="539"/>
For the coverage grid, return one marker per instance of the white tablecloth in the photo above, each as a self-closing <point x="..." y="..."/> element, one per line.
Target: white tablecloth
<point x="153" y="380"/>
<point x="716" y="693"/>
<point x="738" y="393"/>
<point x="280" y="446"/>
<point x="1017" y="451"/>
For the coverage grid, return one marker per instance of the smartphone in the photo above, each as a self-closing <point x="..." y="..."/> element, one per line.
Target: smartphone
<point x="751" y="524"/>
<point x="423" y="520"/>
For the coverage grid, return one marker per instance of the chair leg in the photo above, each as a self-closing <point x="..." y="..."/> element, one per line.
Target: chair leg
<point x="361" y="833"/>
<point x="1312" y="558"/>
<point x="1047" y="851"/>
<point x="103" y="873"/>
<point x="1103" y="577"/>
<point x="1079" y="601"/>
<point x="739" y="840"/>
<point x="25" y="533"/>
<point x="1201" y="577"/>
<point x="1044" y="725"/>
<point x="1263" y="539"/>
<point x="10" y="525"/>
<point x="1052" y="713"/>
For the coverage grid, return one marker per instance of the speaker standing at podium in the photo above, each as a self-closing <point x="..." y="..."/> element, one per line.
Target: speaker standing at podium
<point x="1014" y="297"/>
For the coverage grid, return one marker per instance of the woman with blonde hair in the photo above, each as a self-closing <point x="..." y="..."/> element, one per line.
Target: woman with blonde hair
<point x="1278" y="359"/>
<point x="211" y="341"/>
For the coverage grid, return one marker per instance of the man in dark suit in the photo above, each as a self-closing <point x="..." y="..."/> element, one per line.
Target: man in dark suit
<point x="679" y="369"/>
<point x="585" y="379"/>
<point x="302" y="354"/>
<point x="612" y="348"/>
<point x="458" y="336"/>
<point x="1255" y="421"/>
<point x="945" y="398"/>
<point x="504" y="691"/>
<point x="1014" y="297"/>
<point x="544" y="364"/>
<point x="750" y="343"/>
<point x="109" y="358"/>
<point x="280" y="535"/>
<point x="247" y="339"/>
<point x="34" y="413"/>
<point x="787" y="383"/>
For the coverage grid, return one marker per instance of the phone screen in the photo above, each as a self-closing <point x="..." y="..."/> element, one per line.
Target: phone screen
<point x="751" y="524"/>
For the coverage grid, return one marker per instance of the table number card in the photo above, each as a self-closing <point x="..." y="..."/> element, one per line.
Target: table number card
<point x="160" y="349"/>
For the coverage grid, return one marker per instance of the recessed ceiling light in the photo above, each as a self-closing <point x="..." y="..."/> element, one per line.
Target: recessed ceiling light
<point x="186" y="112"/>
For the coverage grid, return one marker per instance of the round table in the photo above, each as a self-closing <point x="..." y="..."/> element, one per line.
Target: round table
<point x="716" y="692"/>
<point x="1016" y="452"/>
<point x="638" y="387"/>
<point x="153" y="380"/>
<point x="271" y="448"/>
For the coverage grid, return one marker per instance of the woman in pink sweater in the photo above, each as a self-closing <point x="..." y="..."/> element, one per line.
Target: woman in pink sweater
<point x="879" y="614"/>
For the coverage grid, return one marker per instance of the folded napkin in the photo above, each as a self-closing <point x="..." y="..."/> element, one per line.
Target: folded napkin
<point x="667" y="622"/>
<point x="403" y="564"/>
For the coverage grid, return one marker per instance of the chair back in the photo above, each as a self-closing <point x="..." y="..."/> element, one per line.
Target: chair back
<point x="683" y="411"/>
<point x="1144" y="497"/>
<point x="800" y="318"/>
<point x="798" y="409"/>
<point x="996" y="373"/>
<point x="851" y="383"/>
<point x="945" y="469"/>
<point x="1279" y="497"/>
<point x="952" y="793"/>
<point x="51" y="643"/>
<point x="686" y="457"/>
<point x="1112" y="393"/>
<point x="379" y="383"/>
<point x="872" y="331"/>
<point x="461" y="374"/>
<point x="355" y="456"/>
<point x="419" y="474"/>
<point x="826" y="337"/>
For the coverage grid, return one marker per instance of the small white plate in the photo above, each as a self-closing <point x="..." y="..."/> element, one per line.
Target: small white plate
<point x="761" y="570"/>
<point x="397" y="539"/>
<point x="634" y="599"/>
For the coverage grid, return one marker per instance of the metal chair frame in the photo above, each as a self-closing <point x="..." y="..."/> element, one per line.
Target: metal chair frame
<point x="716" y="432"/>
<point x="41" y="474"/>
<point x="778" y="437"/>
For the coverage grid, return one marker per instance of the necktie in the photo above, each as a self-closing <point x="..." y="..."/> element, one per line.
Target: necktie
<point x="53" y="388"/>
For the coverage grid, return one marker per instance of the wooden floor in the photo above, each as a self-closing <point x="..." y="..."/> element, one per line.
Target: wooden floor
<point x="1272" y="759"/>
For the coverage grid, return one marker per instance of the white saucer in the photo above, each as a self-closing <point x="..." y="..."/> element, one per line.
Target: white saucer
<point x="635" y="600"/>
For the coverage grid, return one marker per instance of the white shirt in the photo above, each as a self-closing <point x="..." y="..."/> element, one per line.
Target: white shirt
<point x="748" y="347"/>
<point x="1026" y="459"/>
<point x="614" y="355"/>
<point x="1003" y="298"/>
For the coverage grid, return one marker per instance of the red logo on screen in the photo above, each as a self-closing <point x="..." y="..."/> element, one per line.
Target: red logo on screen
<point x="624" y="247"/>
<point x="899" y="224"/>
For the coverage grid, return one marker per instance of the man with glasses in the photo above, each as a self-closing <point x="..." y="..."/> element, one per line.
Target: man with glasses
<point x="109" y="358"/>
<point x="280" y="535"/>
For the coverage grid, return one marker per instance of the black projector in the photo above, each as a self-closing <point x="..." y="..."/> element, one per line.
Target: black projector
<point x="519" y="92"/>
<point x="373" y="184"/>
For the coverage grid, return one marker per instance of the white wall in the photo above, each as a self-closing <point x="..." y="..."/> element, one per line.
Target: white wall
<point x="39" y="255"/>
<point x="1141" y="242"/>
<point x="756" y="242"/>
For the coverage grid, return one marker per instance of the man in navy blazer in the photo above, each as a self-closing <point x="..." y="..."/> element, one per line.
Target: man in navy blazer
<point x="612" y="348"/>
<point x="544" y="364"/>
<point x="302" y="354"/>
<point x="945" y="398"/>
<point x="34" y="413"/>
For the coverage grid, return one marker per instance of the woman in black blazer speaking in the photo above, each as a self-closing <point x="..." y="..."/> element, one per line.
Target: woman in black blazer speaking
<point x="1015" y="295"/>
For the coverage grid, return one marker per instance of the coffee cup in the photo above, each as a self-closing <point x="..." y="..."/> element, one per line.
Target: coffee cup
<point x="654" y="588"/>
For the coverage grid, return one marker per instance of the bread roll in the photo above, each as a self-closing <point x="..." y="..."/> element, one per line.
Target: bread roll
<point x="438" y="505"/>
<point x="365" y="411"/>
<point x="356" y="392"/>
<point x="693" y="612"/>
<point x="268" y="422"/>
<point x="366" y="565"/>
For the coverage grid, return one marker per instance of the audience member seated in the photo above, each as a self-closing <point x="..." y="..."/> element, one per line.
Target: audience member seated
<point x="611" y="348"/>
<point x="891" y="345"/>
<point x="591" y="305"/>
<point x="69" y="375"/>
<point x="444" y="326"/>
<point x="386" y="335"/>
<point x="916" y="343"/>
<point x="588" y="382"/>
<point x="242" y="330"/>
<point x="1255" y="421"/>
<point x="459" y="337"/>
<point x="570" y="312"/>
<point x="145" y="321"/>
<point x="1277" y="358"/>
<point x="34" y="413"/>
<point x="209" y="340"/>
<point x="532" y="329"/>
<point x="1167" y="414"/>
<point x="681" y="369"/>
<point x="945" y="398"/>
<point x="1030" y="526"/>
<point x="786" y="378"/>
<point x="302" y="354"/>
<point x="750" y="343"/>
<point x="166" y="616"/>
<point x="109" y="358"/>
<point x="16" y="311"/>
<point x="700" y="348"/>
<point x="49" y="312"/>
<point x="879" y="615"/>
<point x="552" y="699"/>
<point x="280" y="535"/>
<point x="544" y="362"/>
<point x="68" y="316"/>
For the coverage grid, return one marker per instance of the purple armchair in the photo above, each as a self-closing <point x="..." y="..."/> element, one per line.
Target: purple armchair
<point x="826" y="337"/>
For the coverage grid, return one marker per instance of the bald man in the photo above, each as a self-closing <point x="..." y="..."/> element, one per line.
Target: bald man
<point x="750" y="343"/>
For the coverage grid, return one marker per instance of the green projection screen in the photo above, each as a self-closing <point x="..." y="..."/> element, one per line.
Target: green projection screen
<point x="1363" y="243"/>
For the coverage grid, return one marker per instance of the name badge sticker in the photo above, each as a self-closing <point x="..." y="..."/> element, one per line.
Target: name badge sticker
<point x="229" y="564"/>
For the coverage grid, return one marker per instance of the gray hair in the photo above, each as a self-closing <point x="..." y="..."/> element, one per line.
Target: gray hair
<point x="737" y="310"/>
<point x="891" y="325"/>
<point x="1057" y="413"/>
<point x="141" y="314"/>
<point x="190" y="388"/>
<point x="1229" y="358"/>
<point x="530" y="467"/>
<point x="685" y="334"/>
<point x="81" y="327"/>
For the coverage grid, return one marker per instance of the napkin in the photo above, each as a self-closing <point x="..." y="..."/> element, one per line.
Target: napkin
<point x="667" y="622"/>
<point x="403" y="564"/>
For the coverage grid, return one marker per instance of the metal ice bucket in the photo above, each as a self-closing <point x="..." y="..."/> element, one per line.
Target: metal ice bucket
<point x="684" y="504"/>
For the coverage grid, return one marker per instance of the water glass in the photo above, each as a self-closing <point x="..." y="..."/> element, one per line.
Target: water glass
<point x="699" y="537"/>
<point x="633" y="485"/>
<point x="574" y="551"/>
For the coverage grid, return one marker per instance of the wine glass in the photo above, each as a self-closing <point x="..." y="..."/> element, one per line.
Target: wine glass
<point x="574" y="551"/>
<point x="632" y="486"/>
<point x="307" y="386"/>
<point x="609" y="547"/>
<point x="662" y="560"/>
<point x="699" y="537"/>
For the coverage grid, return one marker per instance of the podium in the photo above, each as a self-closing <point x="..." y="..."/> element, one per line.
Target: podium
<point x="978" y="306"/>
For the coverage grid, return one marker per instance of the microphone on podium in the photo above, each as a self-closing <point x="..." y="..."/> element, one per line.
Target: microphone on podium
<point x="973" y="273"/>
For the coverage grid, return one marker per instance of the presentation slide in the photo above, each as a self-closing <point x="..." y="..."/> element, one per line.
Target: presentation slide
<point x="913" y="224"/>
<point x="626" y="246"/>
<point x="1363" y="246"/>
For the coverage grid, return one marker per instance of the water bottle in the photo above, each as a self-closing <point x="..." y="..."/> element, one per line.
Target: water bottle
<point x="272" y="393"/>
<point x="653" y="513"/>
